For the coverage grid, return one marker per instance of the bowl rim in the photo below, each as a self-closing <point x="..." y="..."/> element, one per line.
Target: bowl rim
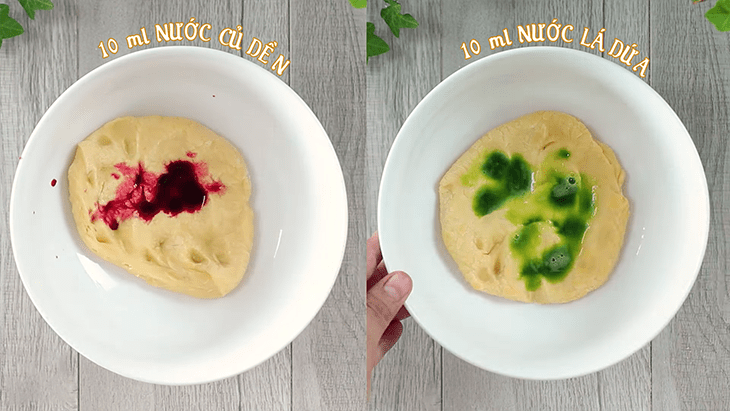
<point x="575" y="56"/>
<point x="339" y="194"/>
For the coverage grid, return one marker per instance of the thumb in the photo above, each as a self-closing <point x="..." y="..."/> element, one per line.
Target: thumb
<point x="384" y="300"/>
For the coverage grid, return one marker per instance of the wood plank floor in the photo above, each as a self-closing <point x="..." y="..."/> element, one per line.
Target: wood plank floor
<point x="362" y="107"/>
<point x="324" y="368"/>
<point x="686" y="366"/>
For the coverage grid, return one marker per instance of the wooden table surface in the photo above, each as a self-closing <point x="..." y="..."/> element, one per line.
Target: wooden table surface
<point x="687" y="367"/>
<point x="324" y="368"/>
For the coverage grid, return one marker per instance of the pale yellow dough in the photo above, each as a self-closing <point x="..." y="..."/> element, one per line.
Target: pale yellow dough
<point x="481" y="245"/>
<point x="202" y="254"/>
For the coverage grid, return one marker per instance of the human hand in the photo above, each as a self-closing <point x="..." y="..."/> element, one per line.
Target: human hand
<point x="386" y="293"/>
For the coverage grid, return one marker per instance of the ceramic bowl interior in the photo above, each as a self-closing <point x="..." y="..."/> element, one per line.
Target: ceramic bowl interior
<point x="664" y="244"/>
<point x="117" y="320"/>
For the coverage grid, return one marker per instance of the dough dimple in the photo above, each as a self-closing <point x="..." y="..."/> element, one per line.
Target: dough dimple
<point x="104" y="140"/>
<point x="506" y="246"/>
<point x="201" y="251"/>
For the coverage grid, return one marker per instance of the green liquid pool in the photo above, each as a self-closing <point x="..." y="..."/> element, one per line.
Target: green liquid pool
<point x="560" y="201"/>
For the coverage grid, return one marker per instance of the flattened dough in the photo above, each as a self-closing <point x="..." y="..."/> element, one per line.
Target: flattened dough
<point x="481" y="245"/>
<point x="203" y="253"/>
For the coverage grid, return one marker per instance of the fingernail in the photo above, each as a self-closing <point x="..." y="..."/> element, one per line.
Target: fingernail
<point x="398" y="286"/>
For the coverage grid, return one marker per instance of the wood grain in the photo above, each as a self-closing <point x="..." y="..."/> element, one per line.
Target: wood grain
<point x="691" y="70"/>
<point x="101" y="20"/>
<point x="38" y="371"/>
<point x="628" y="384"/>
<point x="685" y="368"/>
<point x="328" y="56"/>
<point x="625" y="386"/>
<point x="268" y="386"/>
<point x="409" y="377"/>
<point x="472" y="19"/>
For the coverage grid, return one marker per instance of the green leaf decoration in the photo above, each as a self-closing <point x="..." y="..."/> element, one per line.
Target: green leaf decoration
<point x="8" y="26"/>
<point x="720" y="15"/>
<point x="359" y="4"/>
<point x="395" y="20"/>
<point x="375" y="45"/>
<point x="30" y="6"/>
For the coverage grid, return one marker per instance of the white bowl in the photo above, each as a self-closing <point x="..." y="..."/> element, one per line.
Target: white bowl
<point x="665" y="241"/>
<point x="127" y="326"/>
